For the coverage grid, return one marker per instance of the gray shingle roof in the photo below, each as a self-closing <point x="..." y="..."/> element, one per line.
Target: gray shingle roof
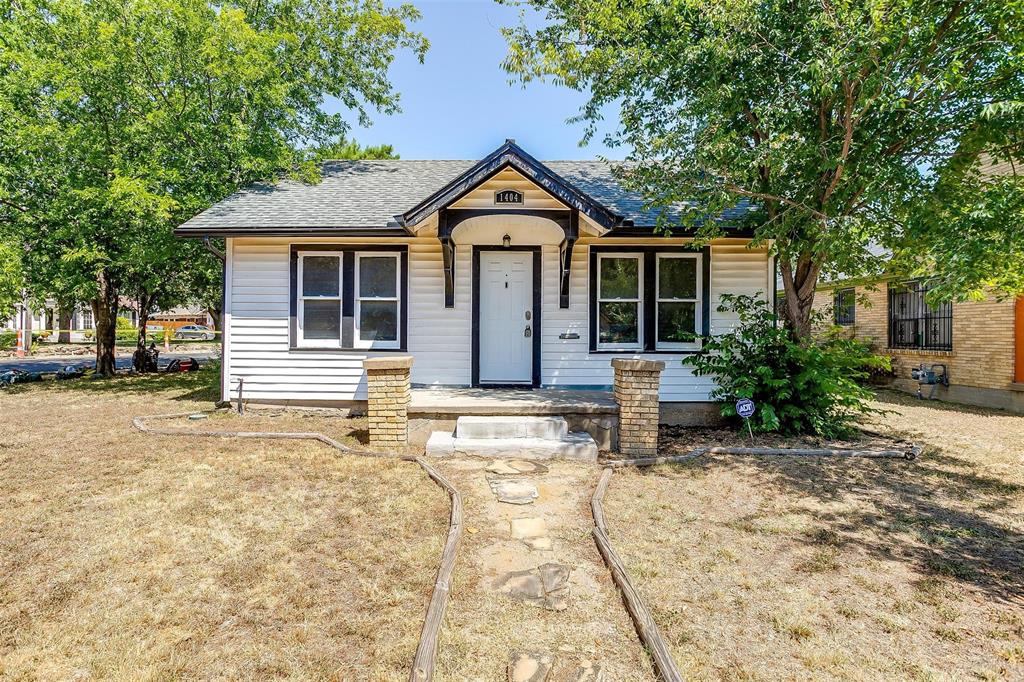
<point x="369" y="194"/>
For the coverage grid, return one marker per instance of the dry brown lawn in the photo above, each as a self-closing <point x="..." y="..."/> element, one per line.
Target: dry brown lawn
<point x="791" y="568"/>
<point x="128" y="556"/>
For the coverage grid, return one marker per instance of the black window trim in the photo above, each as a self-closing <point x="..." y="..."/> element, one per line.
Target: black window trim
<point x="649" y="289"/>
<point x="837" y="309"/>
<point x="348" y="259"/>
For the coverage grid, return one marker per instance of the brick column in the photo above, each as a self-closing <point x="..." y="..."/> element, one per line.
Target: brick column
<point x="388" y="395"/>
<point x="636" y="392"/>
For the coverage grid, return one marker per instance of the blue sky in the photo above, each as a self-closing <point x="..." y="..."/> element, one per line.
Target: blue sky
<point x="459" y="104"/>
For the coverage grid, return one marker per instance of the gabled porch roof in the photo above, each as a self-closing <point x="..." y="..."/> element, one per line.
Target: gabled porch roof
<point x="510" y="155"/>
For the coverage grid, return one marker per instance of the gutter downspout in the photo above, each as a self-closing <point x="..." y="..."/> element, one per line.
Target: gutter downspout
<point x="1018" y="353"/>
<point x="215" y="251"/>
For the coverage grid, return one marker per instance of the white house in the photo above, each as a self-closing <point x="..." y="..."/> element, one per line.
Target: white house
<point x="504" y="272"/>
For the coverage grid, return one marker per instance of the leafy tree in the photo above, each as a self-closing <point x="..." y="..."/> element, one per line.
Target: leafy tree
<point x="968" y="239"/>
<point x="11" y="283"/>
<point x="351" y="150"/>
<point x="836" y="118"/>
<point x="125" y="117"/>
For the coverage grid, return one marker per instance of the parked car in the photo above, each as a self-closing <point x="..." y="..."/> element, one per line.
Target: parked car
<point x="195" y="331"/>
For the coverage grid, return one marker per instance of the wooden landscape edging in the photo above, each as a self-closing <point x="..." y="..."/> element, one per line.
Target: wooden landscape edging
<point x="910" y="453"/>
<point x="646" y="628"/>
<point x="426" y="651"/>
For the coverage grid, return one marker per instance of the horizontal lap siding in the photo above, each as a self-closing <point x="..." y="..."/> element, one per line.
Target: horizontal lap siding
<point x="259" y="352"/>
<point x="568" y="362"/>
<point x="440" y="338"/>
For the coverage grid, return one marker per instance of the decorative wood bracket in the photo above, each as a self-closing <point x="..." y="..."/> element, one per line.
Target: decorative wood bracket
<point x="444" y="235"/>
<point x="572" y="233"/>
<point x="563" y="281"/>
<point x="448" y="254"/>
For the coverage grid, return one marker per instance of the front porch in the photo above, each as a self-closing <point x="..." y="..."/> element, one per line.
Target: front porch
<point x="595" y="412"/>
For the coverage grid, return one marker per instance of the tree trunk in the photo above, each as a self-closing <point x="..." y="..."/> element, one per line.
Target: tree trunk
<point x="799" y="283"/>
<point x="104" y="311"/>
<point x="64" y="314"/>
<point x="215" y="315"/>
<point x="145" y="302"/>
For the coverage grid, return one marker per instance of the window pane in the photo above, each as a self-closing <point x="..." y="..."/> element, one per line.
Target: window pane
<point x="619" y="278"/>
<point x="846" y="306"/>
<point x="617" y="323"/>
<point x="320" y="275"/>
<point x="378" y="321"/>
<point x="321" y="320"/>
<point x="677" y="278"/>
<point x="377" y="276"/>
<point x="677" y="322"/>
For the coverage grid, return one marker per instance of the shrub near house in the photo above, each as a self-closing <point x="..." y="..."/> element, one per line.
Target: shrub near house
<point x="813" y="387"/>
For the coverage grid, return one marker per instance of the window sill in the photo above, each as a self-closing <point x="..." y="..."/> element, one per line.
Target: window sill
<point x="921" y="352"/>
<point x="1017" y="386"/>
<point x="604" y="351"/>
<point x="336" y="349"/>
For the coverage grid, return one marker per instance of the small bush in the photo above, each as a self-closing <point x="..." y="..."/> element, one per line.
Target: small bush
<point x="811" y="387"/>
<point x="8" y="339"/>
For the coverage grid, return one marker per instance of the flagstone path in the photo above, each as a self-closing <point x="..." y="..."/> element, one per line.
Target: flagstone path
<point x="531" y="599"/>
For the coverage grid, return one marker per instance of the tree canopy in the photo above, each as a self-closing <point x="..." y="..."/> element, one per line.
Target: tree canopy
<point x="122" y="118"/>
<point x="837" y="119"/>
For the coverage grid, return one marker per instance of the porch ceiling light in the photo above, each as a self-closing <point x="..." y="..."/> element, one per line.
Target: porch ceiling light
<point x="506" y="241"/>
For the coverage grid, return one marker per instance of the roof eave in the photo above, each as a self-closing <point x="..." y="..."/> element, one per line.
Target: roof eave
<point x="199" y="232"/>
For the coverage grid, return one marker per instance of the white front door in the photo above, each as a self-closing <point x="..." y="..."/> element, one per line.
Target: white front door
<point x="506" y="317"/>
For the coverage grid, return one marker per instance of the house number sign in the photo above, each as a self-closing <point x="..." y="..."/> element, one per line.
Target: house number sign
<point x="508" y="196"/>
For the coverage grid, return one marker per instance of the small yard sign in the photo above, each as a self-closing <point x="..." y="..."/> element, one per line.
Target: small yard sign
<point x="745" y="408"/>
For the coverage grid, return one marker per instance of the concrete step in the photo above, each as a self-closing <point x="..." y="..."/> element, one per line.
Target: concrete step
<point x="480" y="427"/>
<point x="576" y="445"/>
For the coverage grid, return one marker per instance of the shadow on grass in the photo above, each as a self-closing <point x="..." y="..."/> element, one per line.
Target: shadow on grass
<point x="898" y="398"/>
<point x="203" y="385"/>
<point x="934" y="513"/>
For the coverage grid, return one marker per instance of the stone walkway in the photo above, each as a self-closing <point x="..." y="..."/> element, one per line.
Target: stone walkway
<point x="532" y="600"/>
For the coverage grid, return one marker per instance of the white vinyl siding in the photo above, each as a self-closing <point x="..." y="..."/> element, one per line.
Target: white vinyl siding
<point x="440" y="338"/>
<point x="567" y="362"/>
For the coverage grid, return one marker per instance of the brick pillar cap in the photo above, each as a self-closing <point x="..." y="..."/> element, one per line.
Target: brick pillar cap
<point x="634" y="364"/>
<point x="403" y="362"/>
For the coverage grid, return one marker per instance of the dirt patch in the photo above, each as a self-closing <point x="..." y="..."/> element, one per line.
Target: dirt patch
<point x="768" y="568"/>
<point x="130" y="556"/>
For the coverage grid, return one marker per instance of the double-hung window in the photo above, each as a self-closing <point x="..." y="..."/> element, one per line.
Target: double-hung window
<point x="678" y="301"/>
<point x="319" y="299"/>
<point x="349" y="297"/>
<point x="377" y="300"/>
<point x="648" y="299"/>
<point x="845" y="306"/>
<point x="619" y="301"/>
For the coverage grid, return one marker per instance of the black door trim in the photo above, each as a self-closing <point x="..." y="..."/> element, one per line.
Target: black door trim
<point x="537" y="279"/>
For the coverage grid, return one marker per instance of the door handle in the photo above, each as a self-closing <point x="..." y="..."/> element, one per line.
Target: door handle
<point x="527" y="332"/>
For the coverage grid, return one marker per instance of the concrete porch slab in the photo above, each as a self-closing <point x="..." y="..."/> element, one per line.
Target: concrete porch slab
<point x="441" y="402"/>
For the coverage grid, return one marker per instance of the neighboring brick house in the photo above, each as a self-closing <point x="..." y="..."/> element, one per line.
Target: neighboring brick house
<point x="980" y="342"/>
